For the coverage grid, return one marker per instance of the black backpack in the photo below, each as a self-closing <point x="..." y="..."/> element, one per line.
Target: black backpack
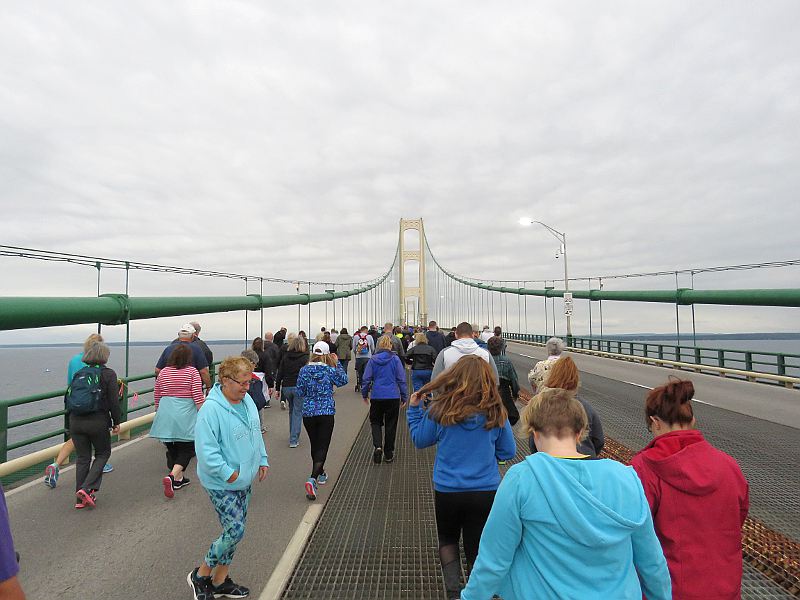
<point x="84" y="394"/>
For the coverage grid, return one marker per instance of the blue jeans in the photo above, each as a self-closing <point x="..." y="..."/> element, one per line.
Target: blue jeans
<point x="295" y="412"/>
<point x="420" y="378"/>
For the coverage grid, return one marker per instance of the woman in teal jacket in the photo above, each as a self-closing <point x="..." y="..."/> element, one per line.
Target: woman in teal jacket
<point x="230" y="454"/>
<point x="566" y="525"/>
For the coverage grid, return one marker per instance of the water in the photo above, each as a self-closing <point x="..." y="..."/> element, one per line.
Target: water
<point x="24" y="372"/>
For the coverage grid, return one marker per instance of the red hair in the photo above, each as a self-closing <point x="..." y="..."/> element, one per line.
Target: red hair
<point x="671" y="403"/>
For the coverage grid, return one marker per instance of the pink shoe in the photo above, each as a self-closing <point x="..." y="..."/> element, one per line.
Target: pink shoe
<point x="169" y="491"/>
<point x="86" y="498"/>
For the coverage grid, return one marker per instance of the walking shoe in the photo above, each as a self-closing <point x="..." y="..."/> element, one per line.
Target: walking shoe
<point x="268" y="405"/>
<point x="311" y="489"/>
<point x="293" y="444"/>
<point x="376" y="456"/>
<point x="107" y="468"/>
<point x="51" y="473"/>
<point x="264" y="429"/>
<point x="229" y="589"/>
<point x="169" y="486"/>
<point x="322" y="479"/>
<point x="87" y="498"/>
<point x="388" y="458"/>
<point x="176" y="485"/>
<point x="202" y="587"/>
<point x="80" y="504"/>
<point x="283" y="404"/>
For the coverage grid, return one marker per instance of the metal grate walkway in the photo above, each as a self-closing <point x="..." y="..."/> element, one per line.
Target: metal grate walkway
<point x="376" y="539"/>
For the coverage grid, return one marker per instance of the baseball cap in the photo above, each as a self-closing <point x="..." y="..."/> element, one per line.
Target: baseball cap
<point x="187" y="329"/>
<point x="321" y="348"/>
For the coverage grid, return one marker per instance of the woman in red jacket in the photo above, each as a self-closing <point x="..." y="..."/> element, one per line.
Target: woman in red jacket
<point x="698" y="497"/>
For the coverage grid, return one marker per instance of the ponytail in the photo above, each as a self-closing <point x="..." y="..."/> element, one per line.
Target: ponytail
<point x="671" y="403"/>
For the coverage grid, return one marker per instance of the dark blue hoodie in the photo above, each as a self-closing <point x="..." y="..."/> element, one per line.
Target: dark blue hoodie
<point x="385" y="375"/>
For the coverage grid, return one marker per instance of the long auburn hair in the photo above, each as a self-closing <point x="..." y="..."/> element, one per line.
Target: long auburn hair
<point x="465" y="389"/>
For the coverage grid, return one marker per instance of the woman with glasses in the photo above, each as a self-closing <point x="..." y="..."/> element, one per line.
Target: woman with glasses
<point x="230" y="455"/>
<point x="686" y="481"/>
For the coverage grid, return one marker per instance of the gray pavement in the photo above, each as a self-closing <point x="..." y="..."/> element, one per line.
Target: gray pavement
<point x="139" y="544"/>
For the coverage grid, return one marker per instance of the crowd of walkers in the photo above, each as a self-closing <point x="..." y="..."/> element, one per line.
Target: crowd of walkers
<point x="563" y="522"/>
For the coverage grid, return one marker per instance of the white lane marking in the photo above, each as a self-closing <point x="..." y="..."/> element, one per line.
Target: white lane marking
<point x="283" y="570"/>
<point x="38" y="480"/>
<point x="526" y="355"/>
<point x="647" y="387"/>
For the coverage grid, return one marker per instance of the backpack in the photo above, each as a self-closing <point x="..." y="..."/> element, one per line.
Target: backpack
<point x="84" y="394"/>
<point x="362" y="346"/>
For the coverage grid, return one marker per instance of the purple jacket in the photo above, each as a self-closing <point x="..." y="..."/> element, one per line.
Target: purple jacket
<point x="385" y="375"/>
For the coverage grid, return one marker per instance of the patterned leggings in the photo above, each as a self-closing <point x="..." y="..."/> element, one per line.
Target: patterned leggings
<point x="231" y="507"/>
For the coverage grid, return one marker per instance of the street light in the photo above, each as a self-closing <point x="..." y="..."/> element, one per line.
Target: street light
<point x="561" y="237"/>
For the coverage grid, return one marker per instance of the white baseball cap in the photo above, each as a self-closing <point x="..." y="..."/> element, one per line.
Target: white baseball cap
<point x="321" y="348"/>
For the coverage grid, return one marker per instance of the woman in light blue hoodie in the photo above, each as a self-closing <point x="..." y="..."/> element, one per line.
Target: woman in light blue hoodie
<point x="230" y="455"/>
<point x="469" y="425"/>
<point x="567" y="525"/>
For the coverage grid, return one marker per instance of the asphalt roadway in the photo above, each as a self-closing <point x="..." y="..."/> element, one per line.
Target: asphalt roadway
<point x="139" y="544"/>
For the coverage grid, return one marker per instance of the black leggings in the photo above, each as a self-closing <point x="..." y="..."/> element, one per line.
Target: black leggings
<point x="179" y="453"/>
<point x="320" y="431"/>
<point x="90" y="432"/>
<point x="461" y="514"/>
<point x="384" y="414"/>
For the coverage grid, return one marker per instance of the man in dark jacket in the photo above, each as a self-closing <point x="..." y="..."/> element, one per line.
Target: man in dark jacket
<point x="450" y="337"/>
<point x="273" y="351"/>
<point x="280" y="337"/>
<point x="435" y="337"/>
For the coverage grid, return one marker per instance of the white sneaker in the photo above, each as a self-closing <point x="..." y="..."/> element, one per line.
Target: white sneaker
<point x="283" y="404"/>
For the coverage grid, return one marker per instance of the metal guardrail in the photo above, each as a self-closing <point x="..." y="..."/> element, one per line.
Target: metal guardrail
<point x="685" y="357"/>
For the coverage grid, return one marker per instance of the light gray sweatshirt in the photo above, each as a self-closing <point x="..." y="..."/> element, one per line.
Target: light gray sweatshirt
<point x="459" y="348"/>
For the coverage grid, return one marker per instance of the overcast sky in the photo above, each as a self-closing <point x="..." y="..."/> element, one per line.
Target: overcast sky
<point x="288" y="138"/>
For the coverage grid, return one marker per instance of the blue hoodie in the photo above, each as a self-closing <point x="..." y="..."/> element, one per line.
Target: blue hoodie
<point x="562" y="528"/>
<point x="225" y="442"/>
<point x="315" y="386"/>
<point x="385" y="375"/>
<point x="466" y="453"/>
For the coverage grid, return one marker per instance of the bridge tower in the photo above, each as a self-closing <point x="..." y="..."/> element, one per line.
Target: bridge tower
<point x="413" y="308"/>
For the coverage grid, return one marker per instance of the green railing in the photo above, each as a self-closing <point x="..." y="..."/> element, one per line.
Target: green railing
<point x="775" y="363"/>
<point x="6" y="426"/>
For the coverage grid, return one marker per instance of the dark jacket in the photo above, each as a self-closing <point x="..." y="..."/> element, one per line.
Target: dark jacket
<point x="266" y="367"/>
<point x="385" y="376"/>
<point x="508" y="387"/>
<point x="278" y="338"/>
<point x="449" y="338"/>
<point x="436" y="340"/>
<point x="109" y="403"/>
<point x="274" y="352"/>
<point x="421" y="357"/>
<point x="289" y="369"/>
<point x="206" y="351"/>
<point x="256" y="392"/>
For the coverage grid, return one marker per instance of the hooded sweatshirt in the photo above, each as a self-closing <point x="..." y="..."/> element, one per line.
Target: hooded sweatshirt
<point x="289" y="368"/>
<point x="562" y="528"/>
<point x="436" y="339"/>
<point x="385" y="376"/>
<point x="315" y="386"/>
<point x="466" y="453"/>
<point x="686" y="481"/>
<point x="461" y="347"/>
<point x="225" y="441"/>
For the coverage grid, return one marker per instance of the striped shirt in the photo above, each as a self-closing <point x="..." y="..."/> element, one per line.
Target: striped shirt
<point x="179" y="383"/>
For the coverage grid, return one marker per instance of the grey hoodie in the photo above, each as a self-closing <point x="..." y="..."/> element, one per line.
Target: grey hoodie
<point x="459" y="348"/>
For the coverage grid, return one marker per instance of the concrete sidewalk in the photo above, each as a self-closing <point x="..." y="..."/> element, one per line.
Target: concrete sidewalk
<point x="139" y="544"/>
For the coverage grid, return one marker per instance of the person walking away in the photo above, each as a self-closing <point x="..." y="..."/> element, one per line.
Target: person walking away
<point x="435" y="337"/>
<point x="331" y="344"/>
<point x="10" y="588"/>
<point x="421" y="357"/>
<point x="476" y="336"/>
<point x="203" y="346"/>
<point x="257" y="387"/>
<point x="450" y="337"/>
<point x="53" y="470"/>
<point x="265" y="367"/>
<point x="537" y="376"/>
<point x="295" y="359"/>
<point x="273" y="351"/>
<point x="344" y="348"/>
<point x="464" y="345"/>
<point x="334" y="335"/>
<point x="315" y="386"/>
<point x="178" y="394"/>
<point x="484" y="334"/>
<point x="397" y="344"/>
<point x="686" y="480"/>
<point x="508" y="385"/>
<point x="280" y="337"/>
<point x="385" y="384"/>
<point x="564" y="375"/>
<point x="199" y="362"/>
<point x="468" y="424"/>
<point x="363" y="348"/>
<point x="230" y="455"/>
<point x="565" y="525"/>
<point x="498" y="332"/>
<point x="92" y="402"/>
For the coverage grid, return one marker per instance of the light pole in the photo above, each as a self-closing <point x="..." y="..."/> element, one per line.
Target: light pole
<point x="561" y="237"/>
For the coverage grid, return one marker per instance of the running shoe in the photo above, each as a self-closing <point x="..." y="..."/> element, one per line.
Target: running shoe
<point x="388" y="458"/>
<point x="169" y="486"/>
<point x="80" y="504"/>
<point x="268" y="405"/>
<point x="264" y="429"/>
<point x="311" y="489"/>
<point x="283" y="404"/>
<point x="376" y="456"/>
<point x="107" y="468"/>
<point x="229" y="589"/>
<point x="51" y="473"/>
<point x="322" y="479"/>
<point x="176" y="485"/>
<point x="88" y="498"/>
<point x="293" y="444"/>
<point x="202" y="587"/>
